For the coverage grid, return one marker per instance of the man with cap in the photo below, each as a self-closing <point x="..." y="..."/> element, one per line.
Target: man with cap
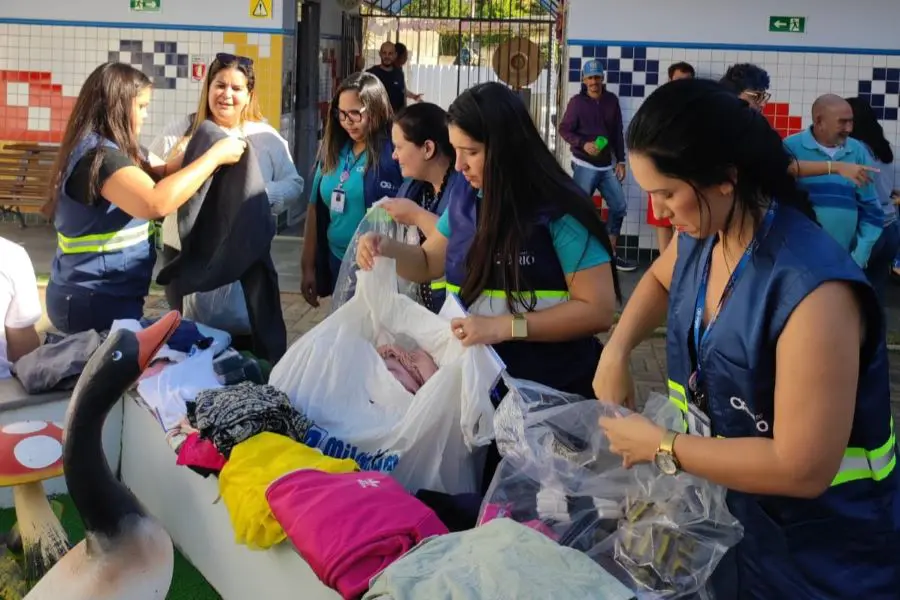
<point x="592" y="125"/>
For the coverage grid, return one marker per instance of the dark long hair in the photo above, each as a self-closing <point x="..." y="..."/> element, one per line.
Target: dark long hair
<point x="374" y="97"/>
<point x="104" y="106"/>
<point x="424" y="121"/>
<point x="868" y="130"/>
<point x="697" y="131"/>
<point x="522" y="182"/>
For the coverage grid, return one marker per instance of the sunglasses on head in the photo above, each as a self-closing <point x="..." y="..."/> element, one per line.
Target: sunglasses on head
<point x="227" y="59"/>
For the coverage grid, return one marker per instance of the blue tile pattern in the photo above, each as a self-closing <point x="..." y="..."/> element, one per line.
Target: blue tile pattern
<point x="882" y="91"/>
<point x="629" y="73"/>
<point x="174" y="65"/>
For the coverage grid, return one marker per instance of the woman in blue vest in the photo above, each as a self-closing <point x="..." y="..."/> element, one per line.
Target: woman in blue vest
<point x="776" y="357"/>
<point x="355" y="170"/>
<point x="104" y="195"/>
<point x="422" y="149"/>
<point x="528" y="256"/>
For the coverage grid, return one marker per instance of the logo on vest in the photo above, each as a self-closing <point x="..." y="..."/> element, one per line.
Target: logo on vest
<point x="526" y="259"/>
<point x="386" y="185"/>
<point x="761" y="424"/>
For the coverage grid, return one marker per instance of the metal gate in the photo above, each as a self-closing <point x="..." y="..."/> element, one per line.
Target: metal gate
<point x="456" y="44"/>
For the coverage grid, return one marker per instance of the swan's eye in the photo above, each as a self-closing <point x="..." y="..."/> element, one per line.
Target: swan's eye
<point x="117" y="355"/>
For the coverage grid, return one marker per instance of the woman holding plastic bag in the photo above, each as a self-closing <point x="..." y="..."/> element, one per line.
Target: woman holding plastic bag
<point x="356" y="169"/>
<point x="776" y="356"/>
<point x="426" y="157"/>
<point x="527" y="255"/>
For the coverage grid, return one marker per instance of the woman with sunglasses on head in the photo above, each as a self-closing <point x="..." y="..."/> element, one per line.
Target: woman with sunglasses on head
<point x="776" y="357"/>
<point x="356" y="169"/>
<point x="750" y="83"/>
<point x="229" y="99"/>
<point x="426" y="157"/>
<point x="105" y="190"/>
<point x="528" y="255"/>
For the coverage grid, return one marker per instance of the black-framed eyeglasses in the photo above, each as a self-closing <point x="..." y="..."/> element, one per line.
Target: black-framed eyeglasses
<point x="226" y="59"/>
<point x="354" y="116"/>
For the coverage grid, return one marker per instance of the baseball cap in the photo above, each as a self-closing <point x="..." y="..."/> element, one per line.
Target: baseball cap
<point x="592" y="68"/>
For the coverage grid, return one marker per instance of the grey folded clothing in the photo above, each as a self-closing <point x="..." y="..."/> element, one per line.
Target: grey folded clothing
<point x="57" y="365"/>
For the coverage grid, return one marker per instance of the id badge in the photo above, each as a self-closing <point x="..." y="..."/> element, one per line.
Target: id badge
<point x="338" y="200"/>
<point x="698" y="422"/>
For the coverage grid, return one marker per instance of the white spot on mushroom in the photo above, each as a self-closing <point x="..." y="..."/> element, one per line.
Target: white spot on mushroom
<point x="38" y="452"/>
<point x="23" y="427"/>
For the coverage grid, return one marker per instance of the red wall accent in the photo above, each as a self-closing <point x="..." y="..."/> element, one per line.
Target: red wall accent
<point x="42" y="93"/>
<point x="778" y="114"/>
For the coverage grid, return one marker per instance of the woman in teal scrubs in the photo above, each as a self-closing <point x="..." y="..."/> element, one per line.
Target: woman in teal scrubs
<point x="355" y="170"/>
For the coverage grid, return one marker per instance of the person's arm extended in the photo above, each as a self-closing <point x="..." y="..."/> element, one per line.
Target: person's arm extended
<point x="161" y="168"/>
<point x="646" y="308"/>
<point x="858" y="174"/>
<point x="809" y="438"/>
<point x="135" y="192"/>
<point x="419" y="264"/>
<point x="426" y="222"/>
<point x="20" y="341"/>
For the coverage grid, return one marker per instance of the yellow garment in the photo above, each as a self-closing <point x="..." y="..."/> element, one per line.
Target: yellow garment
<point x="253" y="466"/>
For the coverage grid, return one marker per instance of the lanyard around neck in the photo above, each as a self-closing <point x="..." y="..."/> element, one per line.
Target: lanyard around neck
<point x="701" y="335"/>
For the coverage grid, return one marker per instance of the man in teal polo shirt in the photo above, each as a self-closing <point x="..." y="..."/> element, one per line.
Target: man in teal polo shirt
<point x="850" y="213"/>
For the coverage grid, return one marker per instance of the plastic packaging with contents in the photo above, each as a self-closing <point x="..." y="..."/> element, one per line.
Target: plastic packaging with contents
<point x="377" y="220"/>
<point x="663" y="536"/>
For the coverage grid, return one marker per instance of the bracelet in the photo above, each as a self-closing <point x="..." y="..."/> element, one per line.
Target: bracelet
<point x="829" y="167"/>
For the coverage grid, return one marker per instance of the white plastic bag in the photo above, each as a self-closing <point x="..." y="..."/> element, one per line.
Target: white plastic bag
<point x="377" y="220"/>
<point x="335" y="376"/>
<point x="661" y="535"/>
<point x="223" y="308"/>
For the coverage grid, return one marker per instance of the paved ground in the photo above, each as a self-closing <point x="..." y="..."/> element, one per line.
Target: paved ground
<point x="648" y="362"/>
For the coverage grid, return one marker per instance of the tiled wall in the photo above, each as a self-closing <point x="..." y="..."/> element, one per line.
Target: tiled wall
<point x="42" y="68"/>
<point x="798" y="78"/>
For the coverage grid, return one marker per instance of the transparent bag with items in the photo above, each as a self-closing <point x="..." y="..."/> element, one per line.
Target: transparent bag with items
<point x="662" y="536"/>
<point x="377" y="220"/>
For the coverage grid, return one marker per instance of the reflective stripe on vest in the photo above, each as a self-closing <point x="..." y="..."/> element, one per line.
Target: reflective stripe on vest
<point x="104" y="242"/>
<point x="858" y="463"/>
<point x="439" y="284"/>
<point x="485" y="307"/>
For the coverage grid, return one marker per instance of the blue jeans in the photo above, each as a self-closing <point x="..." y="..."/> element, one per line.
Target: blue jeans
<point x="611" y="190"/>
<point x="883" y="253"/>
<point x="72" y="309"/>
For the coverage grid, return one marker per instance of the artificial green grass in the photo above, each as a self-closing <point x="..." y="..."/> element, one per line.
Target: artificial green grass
<point x="187" y="582"/>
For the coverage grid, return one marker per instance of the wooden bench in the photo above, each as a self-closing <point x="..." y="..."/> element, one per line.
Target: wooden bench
<point x="25" y="171"/>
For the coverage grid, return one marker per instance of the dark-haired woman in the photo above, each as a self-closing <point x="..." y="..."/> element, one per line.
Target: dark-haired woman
<point x="868" y="130"/>
<point x="776" y="356"/>
<point x="527" y="255"/>
<point x="104" y="194"/>
<point x="356" y="169"/>
<point x="426" y="157"/>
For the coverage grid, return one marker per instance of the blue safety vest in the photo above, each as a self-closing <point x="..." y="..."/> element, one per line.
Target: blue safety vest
<point x="100" y="247"/>
<point x="412" y="188"/>
<point x="567" y="366"/>
<point x="845" y="543"/>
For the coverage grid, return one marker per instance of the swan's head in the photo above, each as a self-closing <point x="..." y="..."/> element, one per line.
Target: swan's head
<point x="119" y="361"/>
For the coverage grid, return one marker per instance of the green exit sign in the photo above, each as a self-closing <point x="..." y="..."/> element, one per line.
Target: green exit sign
<point x="787" y="24"/>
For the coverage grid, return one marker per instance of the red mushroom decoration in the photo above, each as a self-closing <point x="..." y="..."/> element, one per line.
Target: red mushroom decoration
<point x="30" y="452"/>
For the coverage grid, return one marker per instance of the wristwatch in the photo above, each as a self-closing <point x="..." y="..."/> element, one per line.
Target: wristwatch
<point x="519" y="327"/>
<point x="665" y="455"/>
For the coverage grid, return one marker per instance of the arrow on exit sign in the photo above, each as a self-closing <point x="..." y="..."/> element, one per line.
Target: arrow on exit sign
<point x="787" y="24"/>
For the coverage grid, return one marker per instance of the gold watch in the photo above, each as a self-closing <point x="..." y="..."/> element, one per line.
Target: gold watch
<point x="519" y="327"/>
<point x="665" y="455"/>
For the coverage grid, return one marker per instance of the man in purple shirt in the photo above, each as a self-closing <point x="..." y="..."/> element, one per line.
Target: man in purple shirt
<point x="593" y="128"/>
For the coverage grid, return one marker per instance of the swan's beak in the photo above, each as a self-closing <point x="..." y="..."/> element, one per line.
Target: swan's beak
<point x="153" y="338"/>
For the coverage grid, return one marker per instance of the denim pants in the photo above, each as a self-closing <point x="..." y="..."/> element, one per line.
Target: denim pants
<point x="883" y="253"/>
<point x="611" y="190"/>
<point x="73" y="309"/>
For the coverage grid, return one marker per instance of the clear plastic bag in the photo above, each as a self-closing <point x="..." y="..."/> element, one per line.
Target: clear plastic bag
<point x="662" y="536"/>
<point x="224" y="308"/>
<point x="377" y="220"/>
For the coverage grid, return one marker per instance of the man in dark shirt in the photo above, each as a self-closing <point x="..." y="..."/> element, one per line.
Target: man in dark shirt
<point x="392" y="77"/>
<point x="592" y="125"/>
